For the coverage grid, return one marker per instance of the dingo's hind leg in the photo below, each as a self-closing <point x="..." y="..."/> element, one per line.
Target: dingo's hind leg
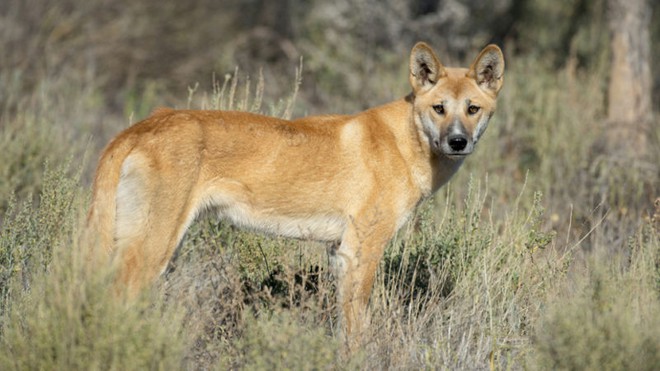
<point x="150" y="222"/>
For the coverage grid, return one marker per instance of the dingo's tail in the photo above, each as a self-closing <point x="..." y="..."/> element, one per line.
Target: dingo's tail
<point x="101" y="220"/>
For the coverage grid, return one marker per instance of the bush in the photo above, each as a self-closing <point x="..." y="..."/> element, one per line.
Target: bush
<point x="30" y="233"/>
<point x="607" y="317"/>
<point x="58" y="312"/>
<point x="280" y="342"/>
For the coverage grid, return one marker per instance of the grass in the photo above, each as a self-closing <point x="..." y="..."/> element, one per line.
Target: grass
<point x="459" y="288"/>
<point x="542" y="253"/>
<point x="607" y="315"/>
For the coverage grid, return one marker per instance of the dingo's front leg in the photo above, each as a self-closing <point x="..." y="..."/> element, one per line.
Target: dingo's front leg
<point x="359" y="254"/>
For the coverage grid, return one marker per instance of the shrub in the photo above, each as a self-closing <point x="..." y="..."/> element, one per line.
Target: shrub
<point x="607" y="317"/>
<point x="58" y="312"/>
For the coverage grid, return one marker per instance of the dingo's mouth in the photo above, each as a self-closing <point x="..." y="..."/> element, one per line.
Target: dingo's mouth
<point x="457" y="156"/>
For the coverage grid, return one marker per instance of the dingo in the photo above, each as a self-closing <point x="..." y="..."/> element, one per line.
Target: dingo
<point x="352" y="179"/>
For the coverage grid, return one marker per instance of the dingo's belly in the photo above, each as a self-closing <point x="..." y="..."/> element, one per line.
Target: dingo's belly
<point x="315" y="227"/>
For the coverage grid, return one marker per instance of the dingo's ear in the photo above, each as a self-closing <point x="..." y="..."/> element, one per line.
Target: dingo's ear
<point x="488" y="69"/>
<point x="425" y="68"/>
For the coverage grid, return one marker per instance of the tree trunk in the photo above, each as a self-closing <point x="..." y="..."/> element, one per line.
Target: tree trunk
<point x="629" y="97"/>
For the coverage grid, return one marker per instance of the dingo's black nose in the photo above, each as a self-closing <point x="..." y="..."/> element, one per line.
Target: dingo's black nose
<point x="457" y="142"/>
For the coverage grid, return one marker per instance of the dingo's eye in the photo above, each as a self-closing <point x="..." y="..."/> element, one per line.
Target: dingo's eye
<point x="472" y="109"/>
<point x="439" y="109"/>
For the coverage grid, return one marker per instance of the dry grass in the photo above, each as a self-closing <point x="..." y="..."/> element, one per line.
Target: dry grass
<point x="459" y="288"/>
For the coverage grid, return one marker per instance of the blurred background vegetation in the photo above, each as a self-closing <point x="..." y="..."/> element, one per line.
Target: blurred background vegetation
<point x="550" y="210"/>
<point x="101" y="63"/>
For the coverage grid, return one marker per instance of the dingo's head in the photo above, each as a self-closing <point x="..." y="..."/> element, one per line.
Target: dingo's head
<point x="452" y="106"/>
